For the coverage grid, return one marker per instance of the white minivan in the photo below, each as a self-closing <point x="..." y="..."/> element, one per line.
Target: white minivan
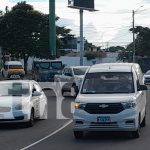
<point x="112" y="98"/>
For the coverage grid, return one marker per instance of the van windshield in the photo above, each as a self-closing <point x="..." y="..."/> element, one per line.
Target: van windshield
<point x="108" y="82"/>
<point x="15" y="67"/>
<point x="50" y="65"/>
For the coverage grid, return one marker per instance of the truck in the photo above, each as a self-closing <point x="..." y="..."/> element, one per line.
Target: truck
<point x="45" y="70"/>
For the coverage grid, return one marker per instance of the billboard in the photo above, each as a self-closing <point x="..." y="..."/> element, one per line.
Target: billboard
<point x="81" y="4"/>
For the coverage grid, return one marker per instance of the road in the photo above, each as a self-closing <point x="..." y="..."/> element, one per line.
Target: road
<point x="58" y="134"/>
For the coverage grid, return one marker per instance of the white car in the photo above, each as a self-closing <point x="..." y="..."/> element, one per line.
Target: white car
<point x="112" y="98"/>
<point x="147" y="77"/>
<point x="71" y="79"/>
<point x="22" y="101"/>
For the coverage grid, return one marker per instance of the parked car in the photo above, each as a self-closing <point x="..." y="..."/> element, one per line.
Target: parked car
<point x="112" y="98"/>
<point x="71" y="78"/>
<point x="147" y="77"/>
<point x="22" y="101"/>
<point x="13" y="69"/>
<point x="45" y="70"/>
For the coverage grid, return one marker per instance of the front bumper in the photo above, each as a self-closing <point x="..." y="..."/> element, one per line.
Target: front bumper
<point x="126" y="120"/>
<point x="14" y="116"/>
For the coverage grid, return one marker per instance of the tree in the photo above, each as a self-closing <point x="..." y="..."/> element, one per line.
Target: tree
<point x="24" y="32"/>
<point x="116" y="48"/>
<point x="20" y="31"/>
<point x="142" y="41"/>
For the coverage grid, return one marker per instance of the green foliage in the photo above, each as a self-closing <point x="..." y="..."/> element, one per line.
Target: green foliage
<point x="93" y="55"/>
<point x="24" y="32"/>
<point x="116" y="48"/>
<point x="142" y="42"/>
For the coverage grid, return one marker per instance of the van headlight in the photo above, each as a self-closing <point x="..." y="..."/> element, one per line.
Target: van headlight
<point x="129" y="105"/>
<point x="18" y="107"/>
<point x="78" y="105"/>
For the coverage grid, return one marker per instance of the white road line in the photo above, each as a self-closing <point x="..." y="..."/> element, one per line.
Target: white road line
<point x="51" y="134"/>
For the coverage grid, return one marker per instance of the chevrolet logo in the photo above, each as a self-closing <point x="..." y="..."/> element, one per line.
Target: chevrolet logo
<point x="103" y="106"/>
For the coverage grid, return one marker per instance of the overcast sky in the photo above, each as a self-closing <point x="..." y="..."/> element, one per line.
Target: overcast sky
<point x="110" y="24"/>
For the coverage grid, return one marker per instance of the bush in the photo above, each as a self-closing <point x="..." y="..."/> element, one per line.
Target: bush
<point x="93" y="55"/>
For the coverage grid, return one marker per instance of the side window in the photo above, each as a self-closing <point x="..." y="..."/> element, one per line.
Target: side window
<point x="70" y="72"/>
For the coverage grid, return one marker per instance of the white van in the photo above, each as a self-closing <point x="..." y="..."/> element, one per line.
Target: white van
<point x="13" y="69"/>
<point x="112" y="98"/>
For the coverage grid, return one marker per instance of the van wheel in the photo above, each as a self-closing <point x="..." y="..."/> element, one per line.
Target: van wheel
<point x="143" y="124"/>
<point x="136" y="134"/>
<point x="78" y="134"/>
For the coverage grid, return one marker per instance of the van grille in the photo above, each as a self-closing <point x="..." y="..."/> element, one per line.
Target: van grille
<point x="103" y="108"/>
<point x="5" y="109"/>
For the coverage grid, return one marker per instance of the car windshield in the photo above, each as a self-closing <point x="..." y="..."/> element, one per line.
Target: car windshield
<point x="15" y="67"/>
<point x="14" y="89"/>
<point x="79" y="71"/>
<point x="109" y="82"/>
<point x="56" y="65"/>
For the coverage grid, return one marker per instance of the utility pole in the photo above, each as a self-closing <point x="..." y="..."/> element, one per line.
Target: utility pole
<point x="81" y="38"/>
<point x="133" y="14"/>
<point x="52" y="29"/>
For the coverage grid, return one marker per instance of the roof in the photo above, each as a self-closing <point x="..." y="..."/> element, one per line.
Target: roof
<point x="112" y="67"/>
<point x="47" y="61"/>
<point x="11" y="81"/>
<point x="13" y="63"/>
<point x="79" y="66"/>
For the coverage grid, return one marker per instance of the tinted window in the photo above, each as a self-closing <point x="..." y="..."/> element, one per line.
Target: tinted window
<point x="110" y="82"/>
<point x="56" y="65"/>
<point x="44" y="65"/>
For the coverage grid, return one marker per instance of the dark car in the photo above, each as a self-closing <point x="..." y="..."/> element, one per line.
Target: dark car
<point x="45" y="70"/>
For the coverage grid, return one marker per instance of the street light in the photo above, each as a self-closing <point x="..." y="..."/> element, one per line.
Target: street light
<point x="133" y="15"/>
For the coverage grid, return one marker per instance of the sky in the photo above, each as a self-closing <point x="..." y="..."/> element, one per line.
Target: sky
<point x="108" y="26"/>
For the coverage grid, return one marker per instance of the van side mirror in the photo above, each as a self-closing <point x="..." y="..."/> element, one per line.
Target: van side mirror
<point x="142" y="88"/>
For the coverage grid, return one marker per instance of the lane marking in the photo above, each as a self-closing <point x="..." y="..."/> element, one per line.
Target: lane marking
<point x="46" y="137"/>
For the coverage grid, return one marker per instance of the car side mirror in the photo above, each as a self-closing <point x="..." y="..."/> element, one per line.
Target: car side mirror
<point x="36" y="93"/>
<point x="142" y="88"/>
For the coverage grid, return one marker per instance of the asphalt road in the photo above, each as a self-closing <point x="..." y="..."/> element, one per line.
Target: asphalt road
<point x="58" y="134"/>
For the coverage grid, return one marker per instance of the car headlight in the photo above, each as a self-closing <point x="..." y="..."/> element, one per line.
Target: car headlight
<point x="78" y="105"/>
<point x="129" y="105"/>
<point x="18" y="107"/>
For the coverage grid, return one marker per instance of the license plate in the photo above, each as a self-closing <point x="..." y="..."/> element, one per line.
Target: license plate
<point x="1" y="116"/>
<point x="104" y="119"/>
<point x="14" y="76"/>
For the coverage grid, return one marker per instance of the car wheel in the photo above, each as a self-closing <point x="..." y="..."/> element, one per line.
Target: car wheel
<point x="75" y="91"/>
<point x="136" y="134"/>
<point x="31" y="121"/>
<point x="45" y="114"/>
<point x="78" y="134"/>
<point x="62" y="92"/>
